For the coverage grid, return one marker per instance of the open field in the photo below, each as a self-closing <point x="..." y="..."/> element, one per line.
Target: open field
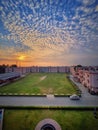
<point x="41" y="83"/>
<point x="68" y="120"/>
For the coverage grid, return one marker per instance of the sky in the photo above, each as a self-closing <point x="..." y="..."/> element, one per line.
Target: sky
<point x="49" y="32"/>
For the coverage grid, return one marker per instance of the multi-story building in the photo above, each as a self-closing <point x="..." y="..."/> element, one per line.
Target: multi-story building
<point x="34" y="69"/>
<point x="21" y="70"/>
<point x="91" y="81"/>
<point x="75" y="73"/>
<point x="63" y="69"/>
<point x="88" y="76"/>
<point x="37" y="69"/>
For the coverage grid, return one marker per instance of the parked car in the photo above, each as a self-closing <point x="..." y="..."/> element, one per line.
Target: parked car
<point x="74" y="97"/>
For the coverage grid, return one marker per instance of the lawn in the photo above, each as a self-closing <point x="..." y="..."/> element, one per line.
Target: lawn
<point x="68" y="120"/>
<point x="41" y="83"/>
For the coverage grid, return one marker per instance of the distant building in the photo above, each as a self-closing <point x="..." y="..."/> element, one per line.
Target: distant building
<point x="53" y="69"/>
<point x="21" y="70"/>
<point x="34" y="69"/>
<point x="37" y="69"/>
<point x="44" y="69"/>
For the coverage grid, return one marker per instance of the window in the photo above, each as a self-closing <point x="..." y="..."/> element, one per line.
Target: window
<point x="88" y="81"/>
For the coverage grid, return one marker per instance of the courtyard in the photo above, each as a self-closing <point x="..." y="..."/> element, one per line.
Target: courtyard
<point x="41" y="83"/>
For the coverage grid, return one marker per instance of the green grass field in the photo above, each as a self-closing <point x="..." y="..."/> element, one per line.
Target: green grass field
<point x="41" y="83"/>
<point x="68" y="120"/>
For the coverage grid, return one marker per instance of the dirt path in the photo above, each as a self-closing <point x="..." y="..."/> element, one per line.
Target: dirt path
<point x="43" y="77"/>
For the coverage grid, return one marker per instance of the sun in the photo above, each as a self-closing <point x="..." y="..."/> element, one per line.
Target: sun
<point x="21" y="57"/>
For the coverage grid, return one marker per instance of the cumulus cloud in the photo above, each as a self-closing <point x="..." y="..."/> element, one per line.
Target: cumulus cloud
<point x="42" y="29"/>
<point x="96" y="9"/>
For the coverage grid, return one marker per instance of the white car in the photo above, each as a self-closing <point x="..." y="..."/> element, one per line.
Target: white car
<point x="74" y="97"/>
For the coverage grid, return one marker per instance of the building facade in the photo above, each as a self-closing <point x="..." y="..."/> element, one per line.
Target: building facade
<point x="87" y="76"/>
<point x="39" y="69"/>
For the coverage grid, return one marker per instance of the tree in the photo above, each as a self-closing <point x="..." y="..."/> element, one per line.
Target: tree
<point x="79" y="65"/>
<point x="2" y="68"/>
<point x="14" y="65"/>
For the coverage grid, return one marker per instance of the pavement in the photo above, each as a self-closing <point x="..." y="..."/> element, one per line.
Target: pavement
<point x="45" y="101"/>
<point x="85" y="100"/>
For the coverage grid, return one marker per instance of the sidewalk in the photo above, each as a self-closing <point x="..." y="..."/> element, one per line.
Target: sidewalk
<point x="84" y="90"/>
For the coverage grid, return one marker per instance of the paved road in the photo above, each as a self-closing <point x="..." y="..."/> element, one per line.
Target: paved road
<point x="44" y="101"/>
<point x="86" y="100"/>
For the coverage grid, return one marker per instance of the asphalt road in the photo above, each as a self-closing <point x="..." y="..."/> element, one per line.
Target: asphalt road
<point x="86" y="100"/>
<point x="44" y="101"/>
<point x="47" y="101"/>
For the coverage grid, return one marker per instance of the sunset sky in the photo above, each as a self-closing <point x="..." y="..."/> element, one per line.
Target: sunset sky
<point x="49" y="32"/>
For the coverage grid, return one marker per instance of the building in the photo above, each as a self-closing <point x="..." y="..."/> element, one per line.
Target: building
<point x="39" y="69"/>
<point x="21" y="70"/>
<point x="87" y="76"/>
<point x="91" y="81"/>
